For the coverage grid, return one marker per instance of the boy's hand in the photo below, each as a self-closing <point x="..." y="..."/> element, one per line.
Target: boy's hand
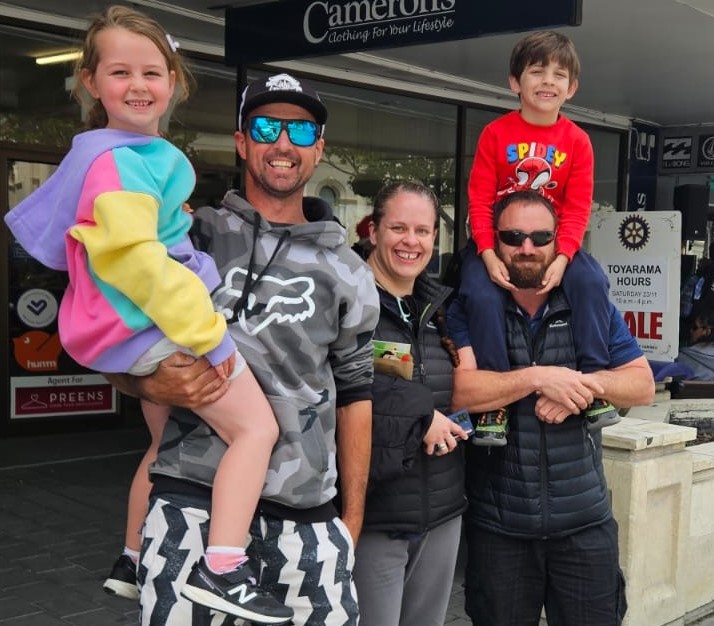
<point x="497" y="270"/>
<point x="554" y="273"/>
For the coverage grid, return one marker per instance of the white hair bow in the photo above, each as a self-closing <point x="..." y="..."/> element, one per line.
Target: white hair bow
<point x="173" y="44"/>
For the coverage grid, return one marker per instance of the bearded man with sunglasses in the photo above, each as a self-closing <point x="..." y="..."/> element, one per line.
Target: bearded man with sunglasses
<point x="302" y="306"/>
<point x="539" y="526"/>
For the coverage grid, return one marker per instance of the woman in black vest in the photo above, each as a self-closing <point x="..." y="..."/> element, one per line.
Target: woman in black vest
<point x="407" y="551"/>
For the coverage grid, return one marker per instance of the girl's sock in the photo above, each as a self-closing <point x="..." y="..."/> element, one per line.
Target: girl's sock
<point x="132" y="554"/>
<point x="223" y="559"/>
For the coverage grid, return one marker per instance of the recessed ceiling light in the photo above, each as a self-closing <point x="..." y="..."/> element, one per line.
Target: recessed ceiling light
<point x="58" y="58"/>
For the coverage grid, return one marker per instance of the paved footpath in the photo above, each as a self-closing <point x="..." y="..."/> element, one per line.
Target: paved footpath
<point x="62" y="510"/>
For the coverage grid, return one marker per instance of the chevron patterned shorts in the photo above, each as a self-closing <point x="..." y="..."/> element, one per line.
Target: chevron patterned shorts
<point x="306" y="566"/>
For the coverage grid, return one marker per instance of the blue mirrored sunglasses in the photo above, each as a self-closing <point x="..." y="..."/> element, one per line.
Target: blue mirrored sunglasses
<point x="302" y="133"/>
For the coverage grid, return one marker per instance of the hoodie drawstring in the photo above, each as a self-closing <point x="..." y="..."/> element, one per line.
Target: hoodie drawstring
<point x="249" y="281"/>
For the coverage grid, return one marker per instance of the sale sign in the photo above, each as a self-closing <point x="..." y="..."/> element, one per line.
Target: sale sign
<point x="640" y="254"/>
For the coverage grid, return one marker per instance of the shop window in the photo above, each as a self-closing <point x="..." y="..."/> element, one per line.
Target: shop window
<point x="36" y="107"/>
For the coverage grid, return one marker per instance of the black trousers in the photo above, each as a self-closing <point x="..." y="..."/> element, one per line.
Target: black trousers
<point x="576" y="578"/>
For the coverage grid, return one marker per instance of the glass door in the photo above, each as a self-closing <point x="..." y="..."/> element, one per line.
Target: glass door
<point x="43" y="384"/>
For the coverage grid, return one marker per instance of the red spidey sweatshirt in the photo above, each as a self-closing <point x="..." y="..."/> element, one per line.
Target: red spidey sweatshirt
<point x="557" y="161"/>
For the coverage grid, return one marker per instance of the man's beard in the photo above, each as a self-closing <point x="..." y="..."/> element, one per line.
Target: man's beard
<point x="278" y="192"/>
<point x="526" y="275"/>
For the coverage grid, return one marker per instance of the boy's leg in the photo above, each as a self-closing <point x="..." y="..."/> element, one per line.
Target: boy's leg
<point x="309" y="567"/>
<point x="588" y="292"/>
<point x="485" y="303"/>
<point x="587" y="289"/>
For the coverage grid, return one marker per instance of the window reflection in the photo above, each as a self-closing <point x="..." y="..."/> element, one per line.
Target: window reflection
<point x="36" y="107"/>
<point x="371" y="136"/>
<point x="23" y="177"/>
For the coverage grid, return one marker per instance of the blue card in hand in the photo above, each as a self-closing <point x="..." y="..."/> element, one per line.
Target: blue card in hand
<point x="462" y="418"/>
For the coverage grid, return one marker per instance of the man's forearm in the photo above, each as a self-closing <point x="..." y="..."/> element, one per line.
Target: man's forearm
<point x="354" y="447"/>
<point x="631" y="384"/>
<point x="483" y="390"/>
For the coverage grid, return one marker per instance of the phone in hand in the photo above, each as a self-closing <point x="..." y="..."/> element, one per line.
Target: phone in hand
<point x="463" y="419"/>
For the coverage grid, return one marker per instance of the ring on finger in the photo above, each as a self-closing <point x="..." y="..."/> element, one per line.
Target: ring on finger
<point x="441" y="446"/>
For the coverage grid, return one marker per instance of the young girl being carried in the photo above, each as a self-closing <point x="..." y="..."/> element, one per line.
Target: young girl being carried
<point x="113" y="216"/>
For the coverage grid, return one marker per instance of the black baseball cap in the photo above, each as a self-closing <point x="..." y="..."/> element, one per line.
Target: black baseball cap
<point x="281" y="88"/>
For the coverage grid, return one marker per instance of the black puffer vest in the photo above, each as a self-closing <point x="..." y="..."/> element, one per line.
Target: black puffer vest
<point x="410" y="491"/>
<point x="549" y="480"/>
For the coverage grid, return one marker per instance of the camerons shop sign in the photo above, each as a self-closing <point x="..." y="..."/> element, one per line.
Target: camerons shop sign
<point x="275" y="31"/>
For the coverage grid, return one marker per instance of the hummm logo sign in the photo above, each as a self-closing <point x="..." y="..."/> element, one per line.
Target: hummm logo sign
<point x="275" y="31"/>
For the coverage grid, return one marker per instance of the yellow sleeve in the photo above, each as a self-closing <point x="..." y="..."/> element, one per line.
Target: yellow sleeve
<point x="124" y="251"/>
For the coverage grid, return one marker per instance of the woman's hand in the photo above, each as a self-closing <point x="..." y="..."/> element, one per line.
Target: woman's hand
<point x="443" y="435"/>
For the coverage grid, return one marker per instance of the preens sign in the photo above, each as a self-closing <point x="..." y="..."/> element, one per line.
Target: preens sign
<point x="274" y="31"/>
<point x="56" y="395"/>
<point x="640" y="253"/>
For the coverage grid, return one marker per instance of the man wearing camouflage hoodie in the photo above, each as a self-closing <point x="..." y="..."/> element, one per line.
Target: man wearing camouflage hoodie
<point x="302" y="307"/>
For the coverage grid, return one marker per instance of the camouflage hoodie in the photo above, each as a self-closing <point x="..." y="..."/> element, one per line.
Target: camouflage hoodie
<point x="304" y="322"/>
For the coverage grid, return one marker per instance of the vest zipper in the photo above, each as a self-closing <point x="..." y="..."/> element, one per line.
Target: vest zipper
<point x="543" y="462"/>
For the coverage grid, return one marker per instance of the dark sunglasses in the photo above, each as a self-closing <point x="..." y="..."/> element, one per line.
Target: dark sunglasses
<point x="302" y="133"/>
<point x="516" y="238"/>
